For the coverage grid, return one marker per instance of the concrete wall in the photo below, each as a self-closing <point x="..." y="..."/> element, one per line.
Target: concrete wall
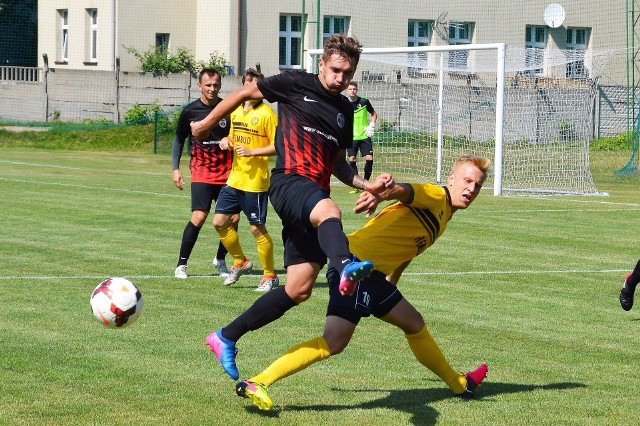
<point x="76" y="95"/>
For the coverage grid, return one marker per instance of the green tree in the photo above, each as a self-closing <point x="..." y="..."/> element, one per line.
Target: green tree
<point x="158" y="61"/>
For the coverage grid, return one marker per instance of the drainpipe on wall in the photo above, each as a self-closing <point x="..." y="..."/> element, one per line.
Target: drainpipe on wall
<point x="113" y="38"/>
<point x="239" y="53"/>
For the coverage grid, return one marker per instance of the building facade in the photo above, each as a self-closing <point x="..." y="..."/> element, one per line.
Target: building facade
<point x="81" y="34"/>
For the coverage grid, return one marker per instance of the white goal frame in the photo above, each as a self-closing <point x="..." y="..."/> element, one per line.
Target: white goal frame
<point x="500" y="49"/>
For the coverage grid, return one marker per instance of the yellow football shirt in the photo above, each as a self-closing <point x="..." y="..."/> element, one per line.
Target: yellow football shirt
<point x="401" y="231"/>
<point x="255" y="128"/>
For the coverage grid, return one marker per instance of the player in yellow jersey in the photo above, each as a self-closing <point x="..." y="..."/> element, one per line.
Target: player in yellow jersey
<point x="391" y="240"/>
<point x="253" y="129"/>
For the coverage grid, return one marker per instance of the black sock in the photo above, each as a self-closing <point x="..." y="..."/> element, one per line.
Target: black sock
<point x="222" y="251"/>
<point x="634" y="278"/>
<point x="334" y="243"/>
<point x="266" y="309"/>
<point x="368" y="169"/>
<point x="189" y="237"/>
<point x="354" y="166"/>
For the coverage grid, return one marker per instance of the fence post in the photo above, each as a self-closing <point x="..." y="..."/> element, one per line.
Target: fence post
<point x="46" y="88"/>
<point x="155" y="132"/>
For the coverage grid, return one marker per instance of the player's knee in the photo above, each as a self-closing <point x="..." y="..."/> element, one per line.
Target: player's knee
<point x="336" y="346"/>
<point x="199" y="217"/>
<point x="299" y="293"/>
<point x="220" y="223"/>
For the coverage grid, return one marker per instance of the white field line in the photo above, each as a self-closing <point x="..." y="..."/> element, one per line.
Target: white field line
<point x="111" y="171"/>
<point x="519" y="272"/>
<point x="102" y="188"/>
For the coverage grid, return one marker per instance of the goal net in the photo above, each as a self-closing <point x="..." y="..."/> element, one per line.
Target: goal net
<point x="531" y="111"/>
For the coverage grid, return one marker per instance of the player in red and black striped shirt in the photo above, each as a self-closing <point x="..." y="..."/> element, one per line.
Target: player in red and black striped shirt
<point x="315" y="126"/>
<point x="210" y="166"/>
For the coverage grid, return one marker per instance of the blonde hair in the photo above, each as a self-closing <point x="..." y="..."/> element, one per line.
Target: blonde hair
<point x="481" y="163"/>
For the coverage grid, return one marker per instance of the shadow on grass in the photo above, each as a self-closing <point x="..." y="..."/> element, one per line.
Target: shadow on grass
<point x="416" y="401"/>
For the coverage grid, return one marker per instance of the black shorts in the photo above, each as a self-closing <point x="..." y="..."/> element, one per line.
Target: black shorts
<point x="293" y="198"/>
<point x="203" y="195"/>
<point x="365" y="146"/>
<point x="373" y="295"/>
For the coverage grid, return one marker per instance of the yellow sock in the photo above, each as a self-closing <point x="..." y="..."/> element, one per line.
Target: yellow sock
<point x="265" y="252"/>
<point x="426" y="350"/>
<point x="231" y="242"/>
<point x="296" y="359"/>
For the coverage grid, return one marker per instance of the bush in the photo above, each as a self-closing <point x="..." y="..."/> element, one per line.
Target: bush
<point x="139" y="114"/>
<point x="160" y="62"/>
<point x="612" y="143"/>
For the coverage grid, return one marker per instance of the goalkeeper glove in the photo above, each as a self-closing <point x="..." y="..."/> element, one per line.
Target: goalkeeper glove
<point x="370" y="129"/>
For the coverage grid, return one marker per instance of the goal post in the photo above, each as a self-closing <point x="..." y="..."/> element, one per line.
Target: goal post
<point x="530" y="116"/>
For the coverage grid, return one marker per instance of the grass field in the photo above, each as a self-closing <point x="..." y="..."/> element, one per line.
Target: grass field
<point x="528" y="285"/>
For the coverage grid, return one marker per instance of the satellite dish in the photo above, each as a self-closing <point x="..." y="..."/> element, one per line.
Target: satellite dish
<point x="554" y="15"/>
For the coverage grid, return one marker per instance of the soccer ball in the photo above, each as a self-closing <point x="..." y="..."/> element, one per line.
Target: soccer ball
<point x="116" y="302"/>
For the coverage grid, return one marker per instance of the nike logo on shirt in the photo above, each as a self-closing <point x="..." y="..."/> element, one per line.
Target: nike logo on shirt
<point x="309" y="99"/>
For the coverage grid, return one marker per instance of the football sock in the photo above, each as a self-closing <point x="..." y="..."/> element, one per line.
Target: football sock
<point x="266" y="309"/>
<point x="428" y="353"/>
<point x="222" y="251"/>
<point x="354" y="166"/>
<point x="229" y="238"/>
<point x="189" y="237"/>
<point x="634" y="278"/>
<point x="296" y="359"/>
<point x="368" y="169"/>
<point x="334" y="243"/>
<point x="265" y="252"/>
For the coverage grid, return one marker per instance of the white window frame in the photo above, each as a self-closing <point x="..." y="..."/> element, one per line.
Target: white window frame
<point x="288" y="35"/>
<point x="335" y="22"/>
<point x="93" y="34"/>
<point x="459" y="33"/>
<point x="577" y="68"/>
<point x="64" y="34"/>
<point x="534" y="49"/>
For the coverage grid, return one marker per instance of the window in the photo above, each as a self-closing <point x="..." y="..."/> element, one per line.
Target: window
<point x="535" y="43"/>
<point x="64" y="34"/>
<point x="92" y="15"/>
<point x="418" y="34"/>
<point x="577" y="41"/>
<point x="459" y="33"/>
<point x="162" y="43"/>
<point x="290" y="41"/>
<point x="334" y="25"/>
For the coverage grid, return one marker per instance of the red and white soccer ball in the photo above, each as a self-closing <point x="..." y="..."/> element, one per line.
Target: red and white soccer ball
<point x="116" y="302"/>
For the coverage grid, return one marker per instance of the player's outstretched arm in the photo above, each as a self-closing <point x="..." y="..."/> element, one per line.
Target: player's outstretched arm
<point x="368" y="202"/>
<point x="343" y="171"/>
<point x="383" y="182"/>
<point x="200" y="129"/>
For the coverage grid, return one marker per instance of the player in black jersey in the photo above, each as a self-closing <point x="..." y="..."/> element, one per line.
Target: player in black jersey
<point x="631" y="280"/>
<point x="209" y="167"/>
<point x="315" y="126"/>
